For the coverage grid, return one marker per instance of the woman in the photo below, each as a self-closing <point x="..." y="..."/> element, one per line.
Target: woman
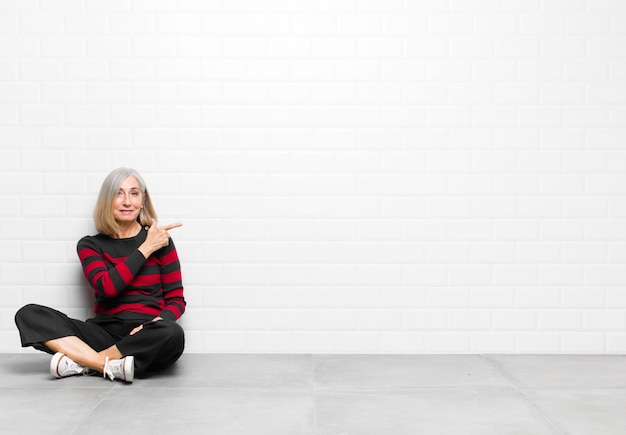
<point x="133" y="267"/>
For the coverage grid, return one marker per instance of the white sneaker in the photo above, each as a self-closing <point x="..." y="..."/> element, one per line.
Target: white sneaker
<point x="123" y="369"/>
<point x="62" y="365"/>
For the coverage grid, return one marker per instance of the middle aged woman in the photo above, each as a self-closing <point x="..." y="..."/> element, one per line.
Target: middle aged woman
<point x="133" y="267"/>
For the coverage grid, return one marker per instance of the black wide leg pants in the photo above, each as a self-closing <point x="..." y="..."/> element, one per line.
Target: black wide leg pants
<point x="157" y="346"/>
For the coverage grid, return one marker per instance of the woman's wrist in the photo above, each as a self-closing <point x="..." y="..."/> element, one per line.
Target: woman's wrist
<point x="145" y="251"/>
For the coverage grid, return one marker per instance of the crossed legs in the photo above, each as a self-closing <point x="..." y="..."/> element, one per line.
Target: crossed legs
<point x="89" y="343"/>
<point x="82" y="353"/>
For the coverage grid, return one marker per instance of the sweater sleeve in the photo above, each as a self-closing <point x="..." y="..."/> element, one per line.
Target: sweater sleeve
<point x="171" y="278"/>
<point x="107" y="281"/>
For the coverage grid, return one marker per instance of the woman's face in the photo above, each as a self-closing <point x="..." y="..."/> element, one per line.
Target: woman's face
<point x="128" y="202"/>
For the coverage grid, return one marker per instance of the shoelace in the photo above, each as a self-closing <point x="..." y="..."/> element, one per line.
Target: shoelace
<point x="72" y="366"/>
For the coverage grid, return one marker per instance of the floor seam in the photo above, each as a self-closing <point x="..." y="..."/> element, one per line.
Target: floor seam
<point x="90" y="413"/>
<point x="513" y="383"/>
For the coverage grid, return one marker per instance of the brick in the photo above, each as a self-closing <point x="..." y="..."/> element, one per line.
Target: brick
<point x="526" y="184"/>
<point x="362" y="24"/>
<point x="518" y="47"/>
<point x="538" y="297"/>
<point x="493" y="252"/>
<point x="9" y="115"/>
<point x="405" y="24"/>
<point x="358" y="342"/>
<point x="604" y="138"/>
<point x="425" y="139"/>
<point x="380" y="5"/>
<point x="19" y="46"/>
<point x="9" y="23"/>
<point x="587" y="24"/>
<point x="558" y="138"/>
<point x="154" y="46"/>
<point x="87" y="116"/>
<point x="584" y="342"/>
<point x="476" y="229"/>
<point x="473" y="275"/>
<point x="447" y="342"/>
<point x="561" y="320"/>
<point x="496" y="207"/>
<point x="542" y="24"/>
<point x="434" y="274"/>
<point x="115" y="138"/>
<point x="538" y="342"/>
<point x="557" y="274"/>
<point x="87" y="69"/>
<point x="427" y="47"/>
<point x="421" y="320"/>
<point x="586" y="116"/>
<point x="566" y="184"/>
<point x="22" y="93"/>
<point x="179" y="69"/>
<point x="617" y="208"/>
<point x="584" y="297"/>
<point x="495" y="116"/>
<point x="561" y="229"/>
<point x="447" y="297"/>
<point x="133" y="23"/>
<point x="452" y="207"/>
<point x="85" y="23"/>
<point x="471" y="47"/>
<point x="452" y="70"/>
<point x="495" y="24"/>
<point x="402" y="207"/>
<point x="538" y="207"/>
<point x="515" y="274"/>
<point x="493" y="342"/>
<point x="605" y="275"/>
<point x="108" y="93"/>
<point x="516" y="93"/>
<point x="426" y="230"/>
<point x="492" y="298"/>
<point x="290" y="320"/>
<point x="401" y="342"/>
<point x="469" y="320"/>
<point x="41" y="23"/>
<point x="449" y="117"/>
<point x="585" y="207"/>
<point x="178" y="23"/>
<point x="358" y="70"/>
<point x="41" y="115"/>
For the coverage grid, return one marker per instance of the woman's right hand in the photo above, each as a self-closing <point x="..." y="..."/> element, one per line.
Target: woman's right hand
<point x="157" y="238"/>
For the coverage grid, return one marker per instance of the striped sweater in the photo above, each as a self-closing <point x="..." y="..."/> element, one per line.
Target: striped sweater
<point x="125" y="281"/>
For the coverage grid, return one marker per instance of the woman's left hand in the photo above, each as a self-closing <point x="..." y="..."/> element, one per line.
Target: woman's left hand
<point x="140" y="327"/>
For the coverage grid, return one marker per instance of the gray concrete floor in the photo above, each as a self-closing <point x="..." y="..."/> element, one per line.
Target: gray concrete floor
<point x="325" y="394"/>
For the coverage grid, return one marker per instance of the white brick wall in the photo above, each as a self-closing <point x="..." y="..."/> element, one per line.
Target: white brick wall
<point x="353" y="175"/>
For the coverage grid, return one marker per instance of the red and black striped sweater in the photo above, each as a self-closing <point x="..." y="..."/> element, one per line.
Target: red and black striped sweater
<point x="126" y="282"/>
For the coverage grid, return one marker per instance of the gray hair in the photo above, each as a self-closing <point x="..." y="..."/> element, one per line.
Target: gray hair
<point x="103" y="212"/>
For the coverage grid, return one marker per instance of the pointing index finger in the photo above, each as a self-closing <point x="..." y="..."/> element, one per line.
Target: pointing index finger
<point x="171" y="226"/>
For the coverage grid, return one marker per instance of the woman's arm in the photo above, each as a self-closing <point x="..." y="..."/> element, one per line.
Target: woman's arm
<point x="171" y="279"/>
<point x="107" y="282"/>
